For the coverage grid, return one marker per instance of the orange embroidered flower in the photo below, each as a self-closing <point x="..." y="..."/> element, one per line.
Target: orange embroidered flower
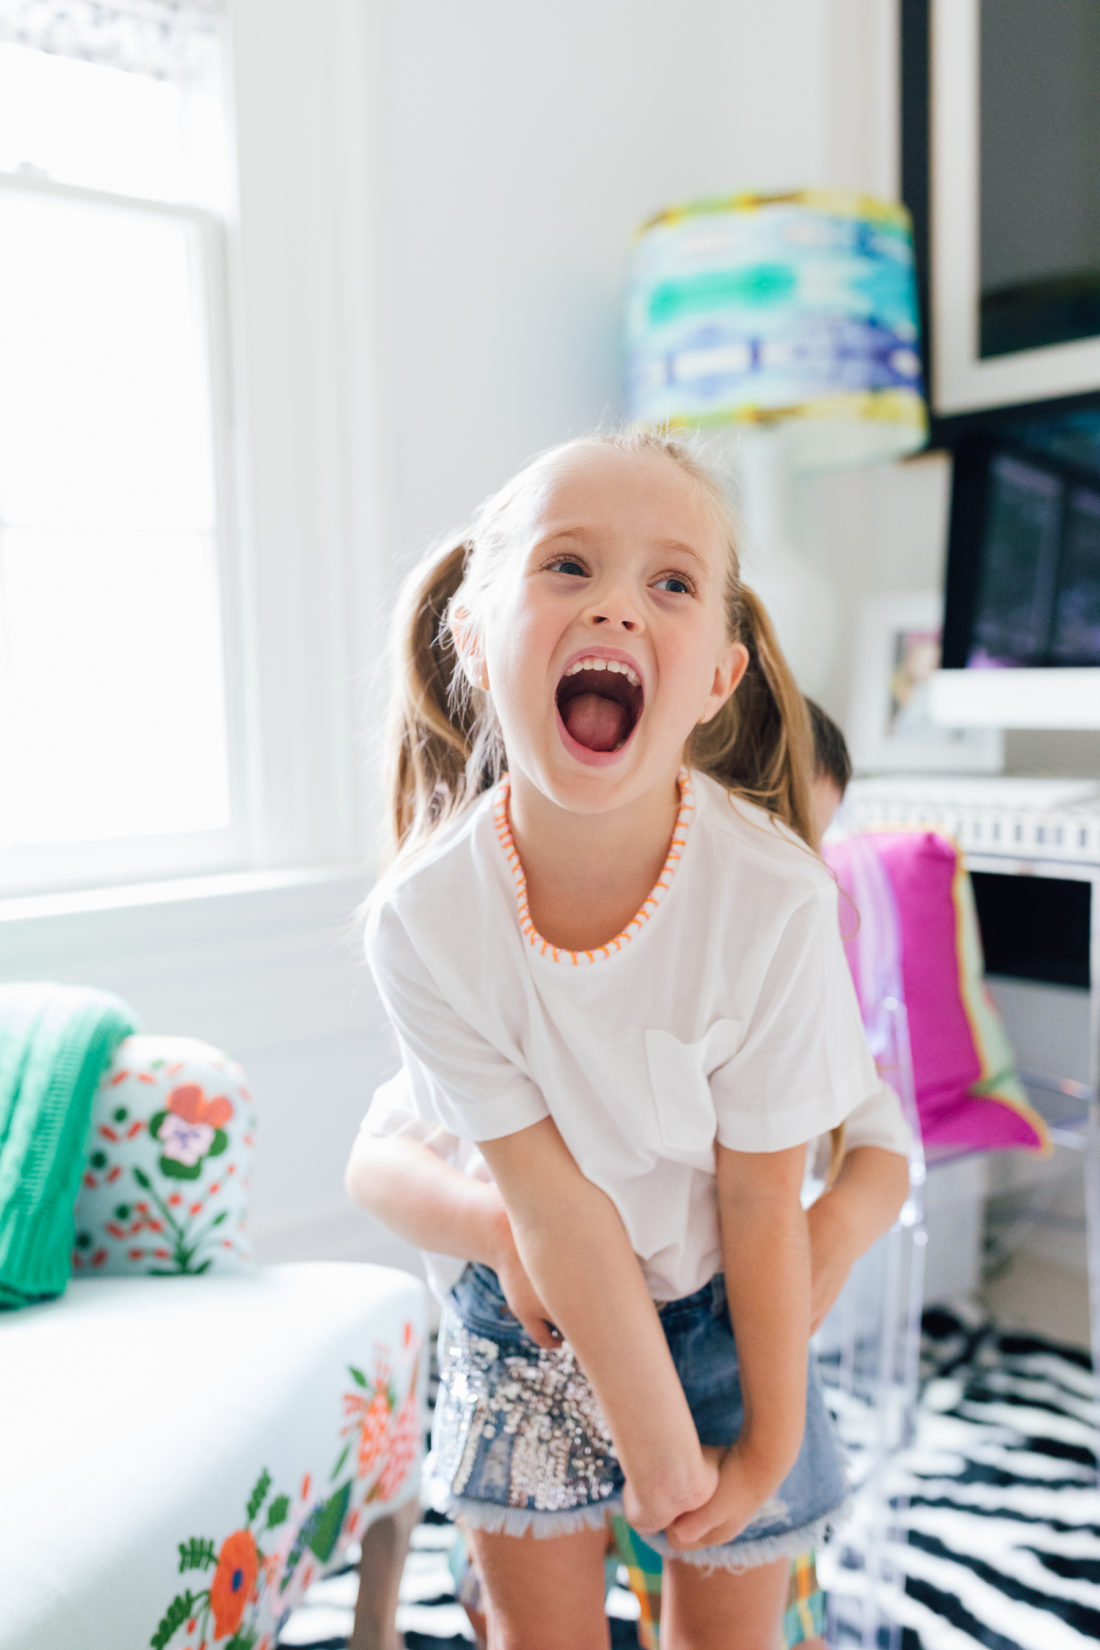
<point x="375" y="1430"/>
<point x="234" y="1579"/>
<point x="404" y="1448"/>
<point x="189" y="1102"/>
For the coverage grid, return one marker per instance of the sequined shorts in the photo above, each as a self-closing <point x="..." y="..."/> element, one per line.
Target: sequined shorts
<point x="519" y="1442"/>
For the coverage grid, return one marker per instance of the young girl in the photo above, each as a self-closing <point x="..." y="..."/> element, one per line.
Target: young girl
<point x="619" y="971"/>
<point x="435" y="1191"/>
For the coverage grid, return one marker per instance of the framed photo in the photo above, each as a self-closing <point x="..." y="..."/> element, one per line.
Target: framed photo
<point x="890" y="727"/>
<point x="997" y="169"/>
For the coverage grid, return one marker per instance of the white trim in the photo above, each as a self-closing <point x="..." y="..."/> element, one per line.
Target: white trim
<point x="34" y="183"/>
<point x="1067" y="698"/>
<point x="249" y="962"/>
<point x="961" y="380"/>
<point x="58" y="867"/>
<point x="302" y="272"/>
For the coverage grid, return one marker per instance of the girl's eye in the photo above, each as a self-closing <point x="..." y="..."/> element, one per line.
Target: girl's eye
<point x="566" y="564"/>
<point x="676" y="585"/>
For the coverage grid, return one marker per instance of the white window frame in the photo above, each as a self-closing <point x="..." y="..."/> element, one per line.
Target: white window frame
<point x="267" y="957"/>
<point x="51" y="867"/>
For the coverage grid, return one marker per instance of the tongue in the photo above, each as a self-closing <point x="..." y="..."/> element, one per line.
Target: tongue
<point x="595" y="722"/>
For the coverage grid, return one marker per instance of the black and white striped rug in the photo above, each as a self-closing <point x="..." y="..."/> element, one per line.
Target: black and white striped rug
<point x="1000" y="1546"/>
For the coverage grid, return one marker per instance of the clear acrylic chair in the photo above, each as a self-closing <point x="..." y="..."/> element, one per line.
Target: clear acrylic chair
<point x="869" y="1345"/>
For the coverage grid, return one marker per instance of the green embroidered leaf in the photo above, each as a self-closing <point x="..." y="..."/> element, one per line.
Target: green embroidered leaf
<point x="223" y="1214"/>
<point x="357" y="1375"/>
<point x="219" y="1143"/>
<point x="325" y="1528"/>
<point x="343" y="1457"/>
<point x="180" y="1171"/>
<point x="197" y="1554"/>
<point x="276" y="1513"/>
<point x="203" y="1266"/>
<point x="142" y="1179"/>
<point x="156" y="1123"/>
<point x="243" y="1640"/>
<point x="175" y="1616"/>
<point x="259" y="1494"/>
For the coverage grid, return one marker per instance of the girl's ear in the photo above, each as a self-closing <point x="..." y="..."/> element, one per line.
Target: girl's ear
<point x="731" y="667"/>
<point x="468" y="646"/>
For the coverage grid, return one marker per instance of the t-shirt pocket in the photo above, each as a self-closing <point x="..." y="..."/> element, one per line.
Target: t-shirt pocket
<point x="679" y="1075"/>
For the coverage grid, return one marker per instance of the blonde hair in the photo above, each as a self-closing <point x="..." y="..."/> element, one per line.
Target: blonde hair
<point x="443" y="745"/>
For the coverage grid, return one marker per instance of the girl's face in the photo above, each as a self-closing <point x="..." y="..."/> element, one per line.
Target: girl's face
<point x="604" y="640"/>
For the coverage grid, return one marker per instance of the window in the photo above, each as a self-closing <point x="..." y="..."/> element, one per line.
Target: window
<point x="119" y="714"/>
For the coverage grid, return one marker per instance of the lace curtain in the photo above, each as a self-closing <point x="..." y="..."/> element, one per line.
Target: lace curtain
<point x="166" y="39"/>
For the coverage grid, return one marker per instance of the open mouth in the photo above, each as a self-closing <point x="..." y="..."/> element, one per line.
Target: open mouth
<point x="599" y="701"/>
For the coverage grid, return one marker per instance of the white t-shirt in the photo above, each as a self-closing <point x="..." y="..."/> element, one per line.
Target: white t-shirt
<point x="877" y="1121"/>
<point x="724" y="1012"/>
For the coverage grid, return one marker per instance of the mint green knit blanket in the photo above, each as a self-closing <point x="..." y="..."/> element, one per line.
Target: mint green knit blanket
<point x="56" y="1041"/>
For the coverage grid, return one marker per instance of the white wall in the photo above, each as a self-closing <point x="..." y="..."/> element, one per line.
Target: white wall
<point x="524" y="148"/>
<point x="437" y="202"/>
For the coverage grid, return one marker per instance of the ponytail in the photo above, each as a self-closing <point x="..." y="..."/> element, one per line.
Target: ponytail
<point x="441" y="748"/>
<point x="760" y="744"/>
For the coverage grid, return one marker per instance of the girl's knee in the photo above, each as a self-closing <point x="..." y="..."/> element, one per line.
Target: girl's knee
<point x="723" y="1609"/>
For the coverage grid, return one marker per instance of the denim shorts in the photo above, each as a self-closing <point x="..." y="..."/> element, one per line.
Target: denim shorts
<point x="519" y="1442"/>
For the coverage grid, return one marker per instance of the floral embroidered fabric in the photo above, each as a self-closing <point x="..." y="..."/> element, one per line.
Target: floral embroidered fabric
<point x="240" y="1587"/>
<point x="169" y="1158"/>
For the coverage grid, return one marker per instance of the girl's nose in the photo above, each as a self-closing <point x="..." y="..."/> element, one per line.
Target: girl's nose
<point x="616" y="608"/>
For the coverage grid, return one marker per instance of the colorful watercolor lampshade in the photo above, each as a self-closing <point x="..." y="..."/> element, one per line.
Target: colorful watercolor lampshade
<point x="798" y="308"/>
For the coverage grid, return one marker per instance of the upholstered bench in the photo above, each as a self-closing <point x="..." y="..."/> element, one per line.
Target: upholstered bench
<point x="186" y="1439"/>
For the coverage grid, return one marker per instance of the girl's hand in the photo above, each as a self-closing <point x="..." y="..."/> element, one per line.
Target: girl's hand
<point x="651" y="1508"/>
<point x="521" y="1295"/>
<point x="744" y="1484"/>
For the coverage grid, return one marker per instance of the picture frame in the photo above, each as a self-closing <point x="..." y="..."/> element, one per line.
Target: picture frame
<point x="890" y="728"/>
<point x="943" y="64"/>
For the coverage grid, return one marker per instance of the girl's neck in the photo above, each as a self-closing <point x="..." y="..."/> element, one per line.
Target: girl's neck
<point x="587" y="874"/>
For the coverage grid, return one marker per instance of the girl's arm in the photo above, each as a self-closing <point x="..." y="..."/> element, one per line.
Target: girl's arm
<point x="766" y="1259"/>
<point x="863" y="1202"/>
<point x="575" y="1249"/>
<point x="434" y="1205"/>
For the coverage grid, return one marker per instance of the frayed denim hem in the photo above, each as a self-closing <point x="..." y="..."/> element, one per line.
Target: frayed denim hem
<point x="497" y="1520"/>
<point x="749" y="1555"/>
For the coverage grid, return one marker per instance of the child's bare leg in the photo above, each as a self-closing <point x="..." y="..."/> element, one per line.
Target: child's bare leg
<point x="385" y="1545"/>
<point x="543" y="1593"/>
<point x="723" y="1609"/>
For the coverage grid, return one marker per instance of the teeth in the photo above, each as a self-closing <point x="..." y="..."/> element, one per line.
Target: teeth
<point x="594" y="663"/>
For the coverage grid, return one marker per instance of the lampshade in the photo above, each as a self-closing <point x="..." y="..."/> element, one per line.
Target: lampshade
<point x="798" y="307"/>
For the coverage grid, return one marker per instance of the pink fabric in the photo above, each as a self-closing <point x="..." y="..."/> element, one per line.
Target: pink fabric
<point x="967" y="1090"/>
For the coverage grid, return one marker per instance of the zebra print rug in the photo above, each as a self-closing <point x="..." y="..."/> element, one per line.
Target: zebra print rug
<point x="1000" y="1545"/>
